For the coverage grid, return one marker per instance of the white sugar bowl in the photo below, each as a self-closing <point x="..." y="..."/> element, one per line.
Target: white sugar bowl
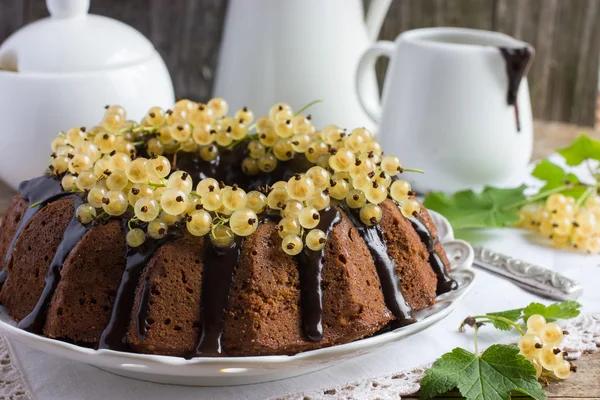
<point x="60" y="72"/>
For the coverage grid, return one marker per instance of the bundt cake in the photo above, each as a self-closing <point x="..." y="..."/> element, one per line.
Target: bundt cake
<point x="292" y="239"/>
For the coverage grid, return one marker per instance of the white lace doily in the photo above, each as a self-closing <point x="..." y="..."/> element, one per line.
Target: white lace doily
<point x="12" y="386"/>
<point x="583" y="337"/>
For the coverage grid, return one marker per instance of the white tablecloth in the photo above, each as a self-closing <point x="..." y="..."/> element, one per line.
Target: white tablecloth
<point x="49" y="377"/>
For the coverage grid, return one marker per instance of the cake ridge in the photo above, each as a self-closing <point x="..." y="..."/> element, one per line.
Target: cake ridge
<point x="386" y="269"/>
<point x="310" y="268"/>
<point x="38" y="192"/>
<point x="444" y="282"/>
<point x="114" y="335"/>
<point x="219" y="269"/>
<point x="34" y="322"/>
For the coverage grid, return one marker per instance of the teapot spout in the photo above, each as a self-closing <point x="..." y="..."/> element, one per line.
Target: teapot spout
<point x="375" y="17"/>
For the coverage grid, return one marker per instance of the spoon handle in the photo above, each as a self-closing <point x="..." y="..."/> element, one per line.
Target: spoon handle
<point x="531" y="277"/>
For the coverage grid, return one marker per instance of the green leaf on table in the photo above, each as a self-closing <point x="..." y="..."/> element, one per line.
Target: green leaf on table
<point x="492" y="207"/>
<point x="494" y="375"/>
<point x="563" y="310"/>
<point x="547" y="171"/>
<point x="555" y="176"/>
<point x="512" y="315"/>
<point x="581" y="149"/>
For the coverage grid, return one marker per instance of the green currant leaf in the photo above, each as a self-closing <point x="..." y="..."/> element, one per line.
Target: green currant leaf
<point x="494" y="375"/>
<point x="513" y="315"/>
<point x="548" y="171"/>
<point x="555" y="176"/>
<point x="563" y="310"/>
<point x="581" y="149"/>
<point x="467" y="209"/>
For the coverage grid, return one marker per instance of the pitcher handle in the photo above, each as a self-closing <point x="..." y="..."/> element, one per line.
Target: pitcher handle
<point x="371" y="104"/>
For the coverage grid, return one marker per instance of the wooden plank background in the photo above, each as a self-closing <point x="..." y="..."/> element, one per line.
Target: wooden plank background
<point x="565" y="33"/>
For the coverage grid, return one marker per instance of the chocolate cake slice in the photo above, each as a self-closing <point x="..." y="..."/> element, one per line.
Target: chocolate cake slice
<point x="32" y="255"/>
<point x="84" y="297"/>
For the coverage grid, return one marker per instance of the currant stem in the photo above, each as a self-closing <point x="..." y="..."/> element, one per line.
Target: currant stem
<point x="140" y="128"/>
<point x="585" y="195"/>
<point x="501" y="319"/>
<point x="475" y="330"/>
<point x="419" y="171"/>
<point x="312" y="103"/>
<point x="134" y="219"/>
<point x="537" y="197"/>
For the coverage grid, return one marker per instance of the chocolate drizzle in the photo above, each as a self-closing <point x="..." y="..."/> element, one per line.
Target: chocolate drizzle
<point x="226" y="168"/>
<point x="444" y="282"/>
<point x="114" y="336"/>
<point x="310" y="269"/>
<point x="517" y="61"/>
<point x="219" y="268"/>
<point x="34" y="322"/>
<point x="38" y="192"/>
<point x="386" y="268"/>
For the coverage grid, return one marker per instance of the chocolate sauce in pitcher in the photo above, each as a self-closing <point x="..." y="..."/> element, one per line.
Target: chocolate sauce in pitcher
<point x="517" y="61"/>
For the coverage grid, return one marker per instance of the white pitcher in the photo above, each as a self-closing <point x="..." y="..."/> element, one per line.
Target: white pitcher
<point x="298" y="51"/>
<point x="450" y="108"/>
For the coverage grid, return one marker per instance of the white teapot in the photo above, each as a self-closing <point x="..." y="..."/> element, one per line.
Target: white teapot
<point x="60" y="72"/>
<point x="298" y="51"/>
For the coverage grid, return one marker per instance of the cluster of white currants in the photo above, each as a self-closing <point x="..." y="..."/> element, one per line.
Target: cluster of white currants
<point x="101" y="163"/>
<point x="540" y="346"/>
<point x="566" y="222"/>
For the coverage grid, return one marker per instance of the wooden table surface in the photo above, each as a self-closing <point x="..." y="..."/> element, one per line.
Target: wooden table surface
<point x="548" y="136"/>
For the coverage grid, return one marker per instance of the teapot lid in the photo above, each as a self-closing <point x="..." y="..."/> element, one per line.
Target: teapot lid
<point x="71" y="40"/>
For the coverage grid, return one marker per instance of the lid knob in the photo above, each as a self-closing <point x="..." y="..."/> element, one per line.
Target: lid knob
<point x="68" y="8"/>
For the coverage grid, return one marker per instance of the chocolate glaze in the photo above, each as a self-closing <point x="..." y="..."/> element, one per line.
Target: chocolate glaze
<point x="444" y="282"/>
<point x="310" y="267"/>
<point x="114" y="336"/>
<point x="219" y="269"/>
<point x="34" y="322"/>
<point x="386" y="268"/>
<point x="227" y="168"/>
<point x="517" y="61"/>
<point x="39" y="191"/>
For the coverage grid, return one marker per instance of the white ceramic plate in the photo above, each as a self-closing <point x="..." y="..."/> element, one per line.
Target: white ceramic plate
<point x="206" y="371"/>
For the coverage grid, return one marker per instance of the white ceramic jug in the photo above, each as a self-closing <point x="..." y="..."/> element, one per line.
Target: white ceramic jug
<point x="456" y="104"/>
<point x="298" y="51"/>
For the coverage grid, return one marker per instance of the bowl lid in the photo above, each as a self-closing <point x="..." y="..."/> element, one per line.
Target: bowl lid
<point x="71" y="40"/>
